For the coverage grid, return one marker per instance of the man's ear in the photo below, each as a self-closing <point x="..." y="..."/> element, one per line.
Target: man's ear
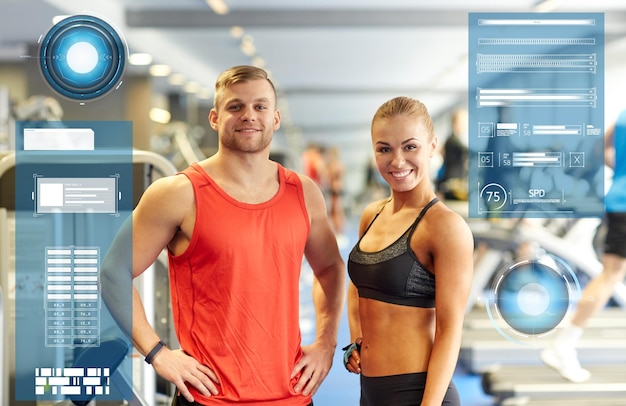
<point x="276" y="120"/>
<point x="213" y="119"/>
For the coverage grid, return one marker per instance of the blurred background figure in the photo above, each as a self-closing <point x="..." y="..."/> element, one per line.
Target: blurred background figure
<point x="451" y="182"/>
<point x="561" y="354"/>
<point x="335" y="173"/>
<point x="314" y="165"/>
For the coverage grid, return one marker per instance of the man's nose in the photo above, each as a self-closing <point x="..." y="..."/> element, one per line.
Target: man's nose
<point x="248" y="113"/>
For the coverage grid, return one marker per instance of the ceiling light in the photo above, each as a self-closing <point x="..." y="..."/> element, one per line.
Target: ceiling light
<point x="236" y="31"/>
<point x="161" y="116"/>
<point x="176" y="79"/>
<point x="258" y="62"/>
<point x="192" y="87"/>
<point x="247" y="45"/>
<point x="218" y="6"/>
<point x="205" y="93"/>
<point x="140" y="59"/>
<point x="545" y="6"/>
<point x="160" y="70"/>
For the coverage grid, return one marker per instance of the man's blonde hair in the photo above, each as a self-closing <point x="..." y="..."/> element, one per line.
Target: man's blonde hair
<point x="238" y="74"/>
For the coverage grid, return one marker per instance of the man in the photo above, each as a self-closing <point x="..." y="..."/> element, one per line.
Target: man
<point x="236" y="226"/>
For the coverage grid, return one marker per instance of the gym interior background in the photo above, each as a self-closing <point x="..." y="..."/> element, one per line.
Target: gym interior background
<point x="333" y="62"/>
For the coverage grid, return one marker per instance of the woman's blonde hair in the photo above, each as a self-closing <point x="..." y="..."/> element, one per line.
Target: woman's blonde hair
<point x="405" y="105"/>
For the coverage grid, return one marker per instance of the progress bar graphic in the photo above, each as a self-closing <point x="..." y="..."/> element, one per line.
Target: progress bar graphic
<point x="537" y="41"/>
<point x="557" y="130"/>
<point x="585" y="97"/>
<point x="564" y="63"/>
<point x="537" y="159"/>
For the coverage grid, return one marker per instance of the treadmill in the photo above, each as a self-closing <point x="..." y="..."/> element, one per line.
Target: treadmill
<point x="514" y="375"/>
<point x="513" y="385"/>
<point x="483" y="347"/>
<point x="569" y="401"/>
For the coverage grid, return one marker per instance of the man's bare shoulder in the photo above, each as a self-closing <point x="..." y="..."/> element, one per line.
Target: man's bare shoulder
<point x="173" y="190"/>
<point x="306" y="181"/>
<point x="309" y="187"/>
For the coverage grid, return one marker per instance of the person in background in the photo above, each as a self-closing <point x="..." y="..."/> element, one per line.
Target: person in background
<point x="410" y="272"/>
<point x="335" y="172"/>
<point x="561" y="353"/>
<point x="451" y="184"/>
<point x="314" y="164"/>
<point x="236" y="226"/>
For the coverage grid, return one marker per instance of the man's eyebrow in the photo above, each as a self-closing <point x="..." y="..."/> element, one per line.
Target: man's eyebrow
<point x="238" y="100"/>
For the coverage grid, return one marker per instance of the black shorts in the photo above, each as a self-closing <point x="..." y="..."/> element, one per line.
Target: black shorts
<point x="615" y="240"/>
<point x="401" y="390"/>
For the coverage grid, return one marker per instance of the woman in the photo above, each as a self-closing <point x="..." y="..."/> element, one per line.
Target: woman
<point x="414" y="255"/>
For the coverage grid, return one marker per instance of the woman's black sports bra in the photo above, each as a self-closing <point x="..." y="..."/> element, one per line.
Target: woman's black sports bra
<point x="394" y="274"/>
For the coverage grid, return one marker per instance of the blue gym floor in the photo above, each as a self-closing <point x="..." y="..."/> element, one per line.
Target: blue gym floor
<point x="341" y="388"/>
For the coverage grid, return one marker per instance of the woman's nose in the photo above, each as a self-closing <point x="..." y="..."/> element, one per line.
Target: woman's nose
<point x="398" y="158"/>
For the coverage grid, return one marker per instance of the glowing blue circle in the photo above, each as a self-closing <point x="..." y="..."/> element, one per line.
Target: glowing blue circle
<point x="530" y="298"/>
<point x="82" y="57"/>
<point x="533" y="299"/>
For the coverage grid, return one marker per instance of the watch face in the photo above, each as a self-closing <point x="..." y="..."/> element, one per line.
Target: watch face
<point x="82" y="57"/>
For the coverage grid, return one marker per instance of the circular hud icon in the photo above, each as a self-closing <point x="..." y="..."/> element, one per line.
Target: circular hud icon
<point x="530" y="298"/>
<point x="82" y="57"/>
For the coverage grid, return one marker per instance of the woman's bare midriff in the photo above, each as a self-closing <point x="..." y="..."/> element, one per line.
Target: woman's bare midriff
<point x="396" y="339"/>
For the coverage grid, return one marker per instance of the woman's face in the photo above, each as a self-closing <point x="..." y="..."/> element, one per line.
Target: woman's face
<point x="403" y="148"/>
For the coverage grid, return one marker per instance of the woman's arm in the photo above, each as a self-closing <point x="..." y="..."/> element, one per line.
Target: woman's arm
<point x="453" y="248"/>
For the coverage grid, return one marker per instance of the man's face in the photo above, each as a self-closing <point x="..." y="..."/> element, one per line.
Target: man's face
<point x="246" y="116"/>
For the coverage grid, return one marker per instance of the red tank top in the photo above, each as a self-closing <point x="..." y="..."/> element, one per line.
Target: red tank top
<point x="235" y="291"/>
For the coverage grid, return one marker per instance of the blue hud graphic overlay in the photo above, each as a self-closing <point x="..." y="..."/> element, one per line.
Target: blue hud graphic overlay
<point x="530" y="297"/>
<point x="73" y="192"/>
<point x="82" y="57"/>
<point x="536" y="115"/>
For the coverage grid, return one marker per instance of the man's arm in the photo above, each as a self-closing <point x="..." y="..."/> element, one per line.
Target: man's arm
<point x="329" y="290"/>
<point x="154" y="223"/>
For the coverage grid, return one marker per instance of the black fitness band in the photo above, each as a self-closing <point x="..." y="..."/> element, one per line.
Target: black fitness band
<point x="154" y="351"/>
<point x="348" y="350"/>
